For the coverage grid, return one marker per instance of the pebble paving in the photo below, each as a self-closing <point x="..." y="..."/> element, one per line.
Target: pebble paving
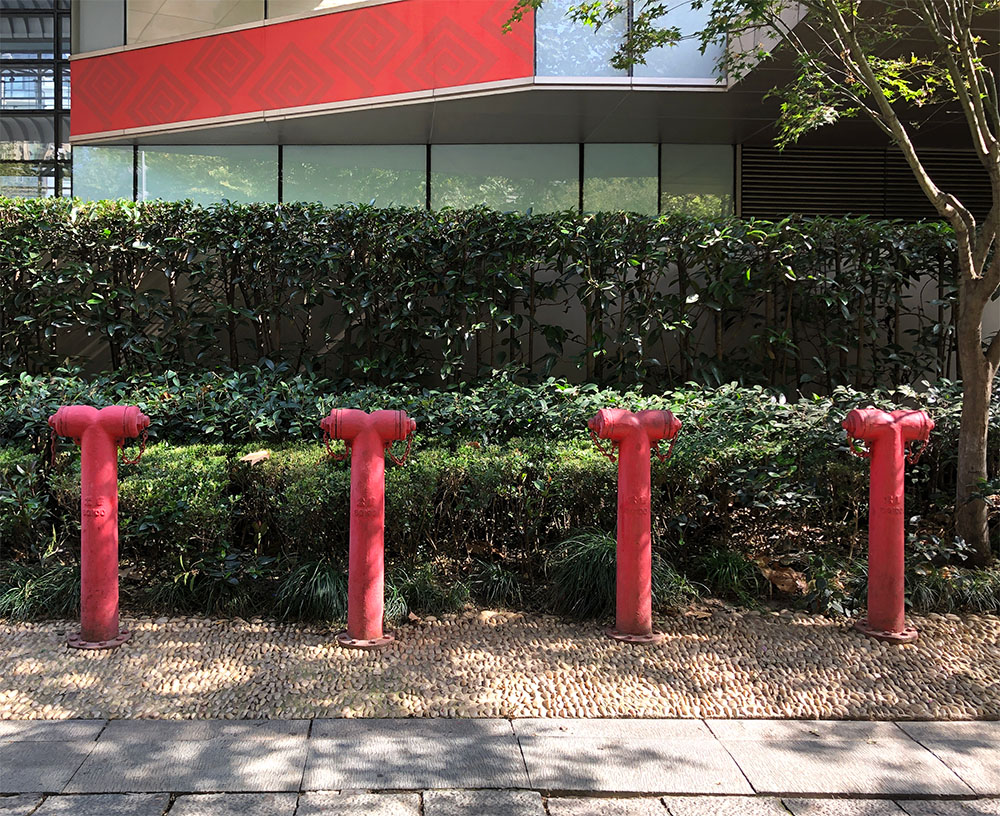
<point x="720" y="663"/>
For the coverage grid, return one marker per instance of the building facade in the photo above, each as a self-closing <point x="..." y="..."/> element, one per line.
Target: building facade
<point x="430" y="103"/>
<point x="34" y="97"/>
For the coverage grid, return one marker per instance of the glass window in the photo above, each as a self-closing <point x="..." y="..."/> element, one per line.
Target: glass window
<point x="564" y="47"/>
<point x="338" y="174"/>
<point x="102" y="172"/>
<point x="64" y="132"/>
<point x="697" y="179"/>
<point x="683" y="60"/>
<point x="620" y="177"/>
<point x="26" y="138"/>
<point x="27" y="36"/>
<point x="27" y="179"/>
<point x="65" y="43"/>
<point x="209" y="173"/>
<point x="66" y="179"/>
<point x="539" y="177"/>
<point x="64" y="87"/>
<point x="150" y="20"/>
<point x="27" y="88"/>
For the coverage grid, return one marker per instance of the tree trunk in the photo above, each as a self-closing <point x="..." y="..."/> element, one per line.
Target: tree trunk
<point x="977" y="386"/>
<point x="970" y="513"/>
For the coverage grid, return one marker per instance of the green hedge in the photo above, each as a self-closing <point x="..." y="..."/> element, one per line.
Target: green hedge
<point x="390" y="295"/>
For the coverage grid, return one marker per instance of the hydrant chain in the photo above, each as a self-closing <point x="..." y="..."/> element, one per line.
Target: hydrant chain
<point x="406" y="453"/>
<point x="852" y="446"/>
<point x="610" y="454"/>
<point x="142" y="449"/>
<point x="912" y="456"/>
<point x="337" y="457"/>
<point x="663" y="457"/>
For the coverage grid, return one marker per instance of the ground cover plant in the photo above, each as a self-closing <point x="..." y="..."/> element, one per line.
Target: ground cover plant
<point x="505" y="500"/>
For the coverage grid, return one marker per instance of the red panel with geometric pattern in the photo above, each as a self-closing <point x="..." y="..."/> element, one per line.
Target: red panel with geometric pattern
<point x="414" y="45"/>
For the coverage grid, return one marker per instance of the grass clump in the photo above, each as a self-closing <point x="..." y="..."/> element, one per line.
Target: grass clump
<point x="315" y="589"/>
<point x="494" y="585"/>
<point x="584" y="576"/>
<point x="33" y="591"/>
<point x="730" y="574"/>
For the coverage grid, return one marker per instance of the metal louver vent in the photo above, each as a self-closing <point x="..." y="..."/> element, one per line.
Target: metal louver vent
<point x="855" y="181"/>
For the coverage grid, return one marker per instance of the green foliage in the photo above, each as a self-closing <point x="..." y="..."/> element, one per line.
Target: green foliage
<point x="583" y="573"/>
<point x="314" y="589"/>
<point x="174" y="501"/>
<point x="359" y="295"/>
<point x="423" y="589"/>
<point x="730" y="574"/>
<point x="493" y="585"/>
<point x="224" y="581"/>
<point x="25" y="517"/>
<point x="47" y="589"/>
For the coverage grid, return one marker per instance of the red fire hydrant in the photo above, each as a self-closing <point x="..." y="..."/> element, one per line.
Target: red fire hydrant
<point x="888" y="435"/>
<point x="100" y="434"/>
<point x="369" y="437"/>
<point x="634" y="434"/>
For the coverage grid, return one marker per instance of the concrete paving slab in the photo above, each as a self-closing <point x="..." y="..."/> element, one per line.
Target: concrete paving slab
<point x="974" y="730"/>
<point x="631" y="766"/>
<point x="723" y="806"/>
<point x="977" y="763"/>
<point x="979" y="807"/>
<point x="235" y="804"/>
<point x="800" y="768"/>
<point x="483" y="803"/>
<point x="50" y="730"/>
<point x="411" y="728"/>
<point x="106" y="804"/>
<point x="633" y="806"/>
<point x="843" y="807"/>
<point x="188" y="765"/>
<point x="802" y="730"/>
<point x="19" y="805"/>
<point x="355" y="804"/>
<point x="381" y="763"/>
<point x="182" y="731"/>
<point x="612" y="729"/>
<point x="970" y="749"/>
<point x="40" y="767"/>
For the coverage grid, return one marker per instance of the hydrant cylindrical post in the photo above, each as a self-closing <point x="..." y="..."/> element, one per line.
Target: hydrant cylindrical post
<point x="887" y="435"/>
<point x="635" y="435"/>
<point x="367" y="435"/>
<point x="100" y="434"/>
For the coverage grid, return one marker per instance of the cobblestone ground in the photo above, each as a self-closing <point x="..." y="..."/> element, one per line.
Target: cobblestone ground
<point x="501" y="664"/>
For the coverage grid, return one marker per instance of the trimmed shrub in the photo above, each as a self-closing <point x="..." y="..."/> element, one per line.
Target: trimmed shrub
<point x="25" y="518"/>
<point x="175" y="501"/>
<point x="395" y="295"/>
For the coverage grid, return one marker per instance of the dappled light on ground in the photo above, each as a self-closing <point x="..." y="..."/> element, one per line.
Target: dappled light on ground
<point x="502" y="664"/>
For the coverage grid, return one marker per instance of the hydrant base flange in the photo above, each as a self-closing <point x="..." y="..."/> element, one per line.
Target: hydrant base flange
<point x="345" y="640"/>
<point x="76" y="642"/>
<point x="624" y="637"/>
<point x="908" y="635"/>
